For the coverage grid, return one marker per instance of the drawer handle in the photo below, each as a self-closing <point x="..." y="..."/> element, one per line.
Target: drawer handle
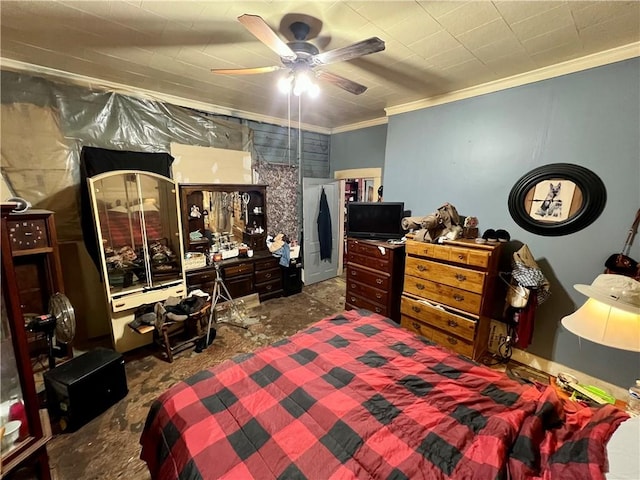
<point x="452" y="323"/>
<point x="422" y="268"/>
<point x="460" y="256"/>
<point x="353" y="272"/>
<point x="460" y="277"/>
<point x="178" y="292"/>
<point x="458" y="298"/>
<point x="416" y="309"/>
<point x="353" y="286"/>
<point x="420" y="286"/>
<point x="353" y="300"/>
<point x="452" y="340"/>
<point x="416" y="325"/>
<point x="378" y="296"/>
<point x="269" y="287"/>
<point x="120" y="305"/>
<point x="379" y="281"/>
<point x="268" y="275"/>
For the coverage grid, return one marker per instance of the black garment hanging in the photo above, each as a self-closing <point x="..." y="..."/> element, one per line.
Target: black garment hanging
<point x="94" y="161"/>
<point x="324" y="228"/>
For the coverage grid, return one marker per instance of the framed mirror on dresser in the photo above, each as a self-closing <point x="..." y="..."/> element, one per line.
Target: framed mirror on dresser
<point x="219" y="214"/>
<point x="220" y="219"/>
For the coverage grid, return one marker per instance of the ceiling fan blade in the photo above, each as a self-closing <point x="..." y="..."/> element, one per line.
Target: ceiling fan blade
<point x="344" y="83"/>
<point x="365" y="47"/>
<point x="259" y="29"/>
<point x="245" y="71"/>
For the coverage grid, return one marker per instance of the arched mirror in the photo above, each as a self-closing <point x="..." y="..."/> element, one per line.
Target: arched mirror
<point x="557" y="199"/>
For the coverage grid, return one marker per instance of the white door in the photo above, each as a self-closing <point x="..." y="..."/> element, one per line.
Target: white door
<point x="316" y="270"/>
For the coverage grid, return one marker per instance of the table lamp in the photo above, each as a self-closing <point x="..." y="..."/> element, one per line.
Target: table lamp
<point x="611" y="315"/>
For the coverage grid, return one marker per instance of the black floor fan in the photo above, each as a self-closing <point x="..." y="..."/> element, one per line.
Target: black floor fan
<point x="60" y="323"/>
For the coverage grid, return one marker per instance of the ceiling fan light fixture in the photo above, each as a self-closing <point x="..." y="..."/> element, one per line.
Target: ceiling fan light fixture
<point x="313" y="90"/>
<point x="284" y="84"/>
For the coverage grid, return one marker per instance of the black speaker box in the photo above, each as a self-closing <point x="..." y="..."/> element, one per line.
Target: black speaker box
<point x="81" y="389"/>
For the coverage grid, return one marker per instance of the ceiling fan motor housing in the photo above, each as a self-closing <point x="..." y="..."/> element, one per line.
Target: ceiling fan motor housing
<point x="303" y="50"/>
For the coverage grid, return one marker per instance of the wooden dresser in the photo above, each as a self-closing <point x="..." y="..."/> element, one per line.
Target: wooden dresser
<point x="259" y="274"/>
<point x="374" y="276"/>
<point x="448" y="293"/>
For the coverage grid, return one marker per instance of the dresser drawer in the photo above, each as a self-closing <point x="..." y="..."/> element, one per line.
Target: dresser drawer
<point x="372" y="250"/>
<point x="355" y="301"/>
<point x="466" y="279"/>
<point x="271" y="287"/>
<point x="381" y="264"/>
<point x="201" y="277"/>
<point x="135" y="300"/>
<point x="236" y="270"/>
<point x="368" y="277"/>
<point x="474" y="257"/>
<point x="440" y="293"/>
<point x="267" y="263"/>
<point x="439" y="317"/>
<point x="452" y="342"/>
<point x="268" y="275"/>
<point x="367" y="291"/>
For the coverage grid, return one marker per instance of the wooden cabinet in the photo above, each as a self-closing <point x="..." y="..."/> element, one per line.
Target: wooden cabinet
<point x="238" y="278"/>
<point x="18" y="385"/>
<point x="375" y="276"/>
<point x="448" y="293"/>
<point x="138" y="229"/>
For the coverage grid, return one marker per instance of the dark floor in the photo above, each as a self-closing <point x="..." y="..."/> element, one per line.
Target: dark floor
<point x="108" y="448"/>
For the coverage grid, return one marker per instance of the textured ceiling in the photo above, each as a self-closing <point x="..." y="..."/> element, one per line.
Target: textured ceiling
<point x="432" y="48"/>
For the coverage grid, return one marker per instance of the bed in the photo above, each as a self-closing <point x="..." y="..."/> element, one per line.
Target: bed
<point x="356" y="396"/>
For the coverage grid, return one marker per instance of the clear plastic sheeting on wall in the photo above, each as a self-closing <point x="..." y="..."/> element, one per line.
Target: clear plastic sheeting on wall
<point x="45" y="125"/>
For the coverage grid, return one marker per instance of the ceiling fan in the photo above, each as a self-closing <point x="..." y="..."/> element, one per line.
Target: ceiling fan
<point x="302" y="57"/>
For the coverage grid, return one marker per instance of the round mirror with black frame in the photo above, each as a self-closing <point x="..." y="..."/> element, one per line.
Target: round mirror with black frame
<point x="557" y="199"/>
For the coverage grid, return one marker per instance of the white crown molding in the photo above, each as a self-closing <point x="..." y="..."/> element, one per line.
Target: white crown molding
<point x="357" y="126"/>
<point x="606" y="57"/>
<point x="96" y="83"/>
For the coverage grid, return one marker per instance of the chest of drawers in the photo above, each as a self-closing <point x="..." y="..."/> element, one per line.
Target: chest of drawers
<point x="448" y="294"/>
<point x="374" y="276"/>
<point x="268" y="278"/>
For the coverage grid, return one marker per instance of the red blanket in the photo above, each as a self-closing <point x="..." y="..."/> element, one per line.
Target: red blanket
<point x="356" y="396"/>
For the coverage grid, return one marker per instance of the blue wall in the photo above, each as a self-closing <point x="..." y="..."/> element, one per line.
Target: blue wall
<point x="471" y="152"/>
<point x="364" y="148"/>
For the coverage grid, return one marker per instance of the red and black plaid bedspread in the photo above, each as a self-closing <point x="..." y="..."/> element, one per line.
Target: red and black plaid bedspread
<point x="355" y="396"/>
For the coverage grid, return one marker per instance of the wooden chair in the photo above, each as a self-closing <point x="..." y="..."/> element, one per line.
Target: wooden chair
<point x="175" y="336"/>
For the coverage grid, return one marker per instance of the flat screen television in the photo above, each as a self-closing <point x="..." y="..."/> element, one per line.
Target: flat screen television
<point x="376" y="221"/>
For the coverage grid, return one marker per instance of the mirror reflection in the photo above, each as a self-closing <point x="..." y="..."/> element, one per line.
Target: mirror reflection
<point x="220" y="217"/>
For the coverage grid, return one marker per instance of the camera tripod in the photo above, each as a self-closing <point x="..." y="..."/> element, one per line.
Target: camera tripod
<point x="221" y="292"/>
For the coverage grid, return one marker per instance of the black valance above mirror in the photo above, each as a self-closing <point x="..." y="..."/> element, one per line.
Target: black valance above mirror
<point x="557" y="199"/>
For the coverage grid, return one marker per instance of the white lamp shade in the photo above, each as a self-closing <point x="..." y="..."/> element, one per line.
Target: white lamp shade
<point x="601" y="323"/>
